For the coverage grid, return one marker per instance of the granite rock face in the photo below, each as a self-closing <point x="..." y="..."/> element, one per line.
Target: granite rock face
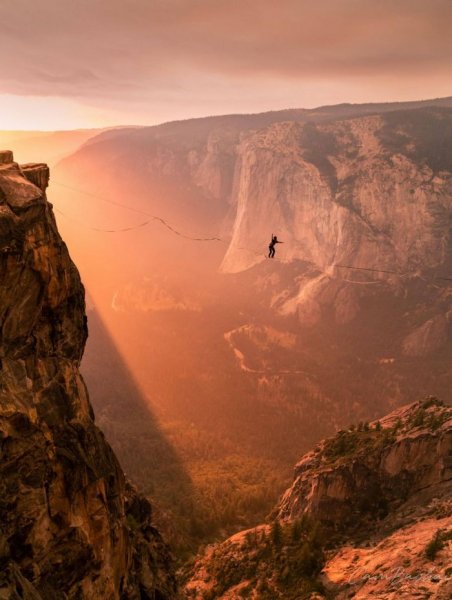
<point x="363" y="206"/>
<point x="349" y="192"/>
<point x="360" y="473"/>
<point x="70" y="524"/>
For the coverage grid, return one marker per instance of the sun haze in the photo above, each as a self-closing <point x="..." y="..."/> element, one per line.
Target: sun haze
<point x="100" y="63"/>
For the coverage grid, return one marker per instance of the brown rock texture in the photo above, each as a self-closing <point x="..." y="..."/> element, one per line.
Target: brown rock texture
<point x="381" y="494"/>
<point x="347" y="192"/>
<point x="71" y="527"/>
<point x="368" y="471"/>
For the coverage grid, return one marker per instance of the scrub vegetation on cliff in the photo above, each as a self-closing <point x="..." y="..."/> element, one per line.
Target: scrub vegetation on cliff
<point x="369" y="509"/>
<point x="276" y="561"/>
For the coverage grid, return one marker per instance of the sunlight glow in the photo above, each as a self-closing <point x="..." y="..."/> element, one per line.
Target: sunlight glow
<point x="34" y="113"/>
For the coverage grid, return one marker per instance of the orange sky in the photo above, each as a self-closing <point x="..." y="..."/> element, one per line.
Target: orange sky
<point x="89" y="63"/>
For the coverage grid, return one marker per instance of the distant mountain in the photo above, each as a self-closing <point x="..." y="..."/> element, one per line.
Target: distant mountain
<point x="196" y="130"/>
<point x="368" y="191"/>
<point x="230" y="175"/>
<point x="46" y="146"/>
<point x="368" y="515"/>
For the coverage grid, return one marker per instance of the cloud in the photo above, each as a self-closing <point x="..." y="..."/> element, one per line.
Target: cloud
<point x="134" y="51"/>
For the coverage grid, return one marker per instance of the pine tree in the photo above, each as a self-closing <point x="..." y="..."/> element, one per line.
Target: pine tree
<point x="249" y="539"/>
<point x="276" y="534"/>
<point x="296" y="531"/>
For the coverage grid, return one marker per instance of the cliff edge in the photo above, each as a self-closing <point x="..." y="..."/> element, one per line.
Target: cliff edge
<point x="71" y="526"/>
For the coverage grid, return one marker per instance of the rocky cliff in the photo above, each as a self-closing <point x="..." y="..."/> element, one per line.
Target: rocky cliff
<point x="369" y="514"/>
<point x="71" y="527"/>
<point x="370" y="192"/>
<point x="364" y="192"/>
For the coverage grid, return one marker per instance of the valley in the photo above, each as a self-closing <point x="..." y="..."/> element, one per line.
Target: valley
<point x="212" y="368"/>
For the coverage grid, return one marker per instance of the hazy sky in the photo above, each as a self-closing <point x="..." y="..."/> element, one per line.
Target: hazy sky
<point x="75" y="63"/>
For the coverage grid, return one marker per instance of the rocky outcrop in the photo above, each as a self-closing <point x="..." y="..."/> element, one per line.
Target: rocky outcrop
<point x="70" y="524"/>
<point x="364" y="472"/>
<point x="380" y="494"/>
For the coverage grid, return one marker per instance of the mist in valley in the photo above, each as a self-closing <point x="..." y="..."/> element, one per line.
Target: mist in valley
<point x="212" y="368"/>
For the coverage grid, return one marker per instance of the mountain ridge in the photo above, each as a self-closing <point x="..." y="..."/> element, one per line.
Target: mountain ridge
<point x="268" y="116"/>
